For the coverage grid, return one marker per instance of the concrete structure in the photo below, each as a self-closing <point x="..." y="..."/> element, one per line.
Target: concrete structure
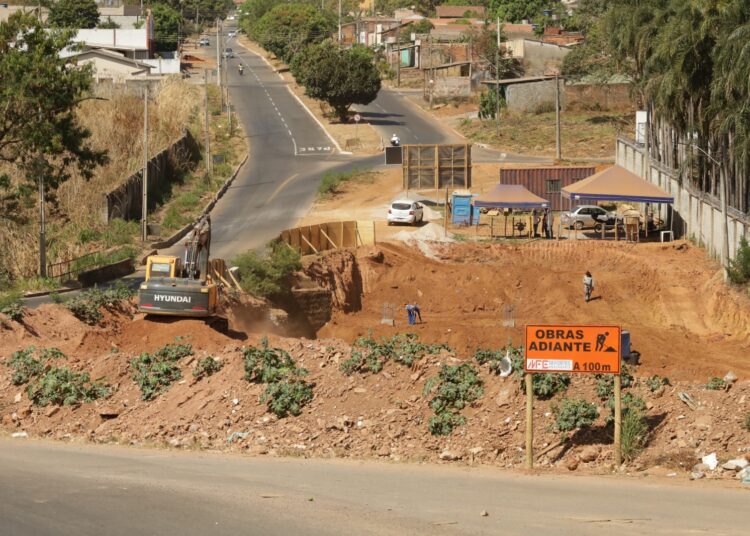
<point x="529" y="94"/>
<point x="134" y="44"/>
<point x="452" y="87"/>
<point x="460" y="12"/>
<point x="110" y="66"/>
<point x="367" y="31"/>
<point x="109" y="8"/>
<point x="537" y="58"/>
<point x="696" y="215"/>
<point x="125" y="22"/>
<point x="589" y="96"/>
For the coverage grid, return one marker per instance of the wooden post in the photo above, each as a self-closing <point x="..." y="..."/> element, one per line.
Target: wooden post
<point x="445" y="207"/>
<point x="529" y="422"/>
<point x="618" y="421"/>
<point x="437" y="168"/>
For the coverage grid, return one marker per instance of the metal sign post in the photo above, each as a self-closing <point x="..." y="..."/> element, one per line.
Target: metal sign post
<point x="572" y="349"/>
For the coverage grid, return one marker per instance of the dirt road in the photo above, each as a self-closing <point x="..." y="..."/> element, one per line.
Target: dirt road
<point x="66" y="489"/>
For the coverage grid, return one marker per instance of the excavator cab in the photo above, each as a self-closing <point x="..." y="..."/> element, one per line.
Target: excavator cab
<point x="184" y="286"/>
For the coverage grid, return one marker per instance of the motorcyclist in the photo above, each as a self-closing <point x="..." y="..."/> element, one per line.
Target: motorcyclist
<point x="395" y="141"/>
<point x="241" y="69"/>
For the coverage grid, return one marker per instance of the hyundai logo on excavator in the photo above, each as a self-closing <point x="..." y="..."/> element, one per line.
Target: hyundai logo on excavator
<point x="173" y="299"/>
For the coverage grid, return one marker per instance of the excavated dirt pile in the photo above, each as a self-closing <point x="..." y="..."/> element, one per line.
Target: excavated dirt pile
<point x="683" y="322"/>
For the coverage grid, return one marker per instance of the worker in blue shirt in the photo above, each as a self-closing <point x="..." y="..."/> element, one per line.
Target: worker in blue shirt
<point x="412" y="313"/>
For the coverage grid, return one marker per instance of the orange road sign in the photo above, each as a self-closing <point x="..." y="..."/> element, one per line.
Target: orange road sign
<point x="588" y="349"/>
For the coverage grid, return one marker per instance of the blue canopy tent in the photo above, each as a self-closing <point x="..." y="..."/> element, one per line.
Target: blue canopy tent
<point x="510" y="196"/>
<point x="616" y="184"/>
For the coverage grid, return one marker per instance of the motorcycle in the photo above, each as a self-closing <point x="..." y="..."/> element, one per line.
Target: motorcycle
<point x="241" y="69"/>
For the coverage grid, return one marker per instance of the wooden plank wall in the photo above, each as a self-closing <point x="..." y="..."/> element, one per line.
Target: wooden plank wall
<point x="331" y="235"/>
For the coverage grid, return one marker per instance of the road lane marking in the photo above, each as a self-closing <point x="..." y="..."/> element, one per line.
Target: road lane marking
<point x="281" y="187"/>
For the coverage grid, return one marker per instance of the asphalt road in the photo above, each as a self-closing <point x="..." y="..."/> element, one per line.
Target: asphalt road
<point x="393" y="113"/>
<point x="289" y="153"/>
<point x="56" y="489"/>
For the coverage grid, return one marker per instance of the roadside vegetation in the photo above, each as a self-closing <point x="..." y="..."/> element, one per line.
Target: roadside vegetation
<point x="286" y="391"/>
<point x="48" y="384"/>
<point x="452" y="390"/>
<point x="93" y="157"/>
<point x="370" y="355"/>
<point x="155" y="372"/>
<point x="87" y="306"/>
<point x="333" y="181"/>
<point x="299" y="35"/>
<point x="268" y="274"/>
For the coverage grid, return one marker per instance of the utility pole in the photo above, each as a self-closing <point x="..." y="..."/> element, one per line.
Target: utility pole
<point x="207" y="140"/>
<point x="218" y="55"/>
<point x="340" y="22"/>
<point x="398" y="62"/>
<point x="144" y="175"/>
<point x="558" y="142"/>
<point x="42" y="237"/>
<point x="497" y="82"/>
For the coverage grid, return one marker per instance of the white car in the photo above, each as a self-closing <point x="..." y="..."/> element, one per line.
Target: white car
<point x="405" y="211"/>
<point x="232" y="34"/>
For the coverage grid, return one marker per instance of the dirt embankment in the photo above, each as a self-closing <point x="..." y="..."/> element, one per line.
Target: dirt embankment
<point x="685" y="323"/>
<point x="686" y="326"/>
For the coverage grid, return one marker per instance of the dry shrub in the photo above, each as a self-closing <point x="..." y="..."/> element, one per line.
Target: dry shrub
<point x="116" y="124"/>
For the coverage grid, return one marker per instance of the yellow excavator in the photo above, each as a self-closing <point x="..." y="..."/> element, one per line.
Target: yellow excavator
<point x="187" y="286"/>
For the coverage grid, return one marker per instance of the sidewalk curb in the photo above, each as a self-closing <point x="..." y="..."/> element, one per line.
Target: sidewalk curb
<point x="320" y="124"/>
<point x="176" y="237"/>
<point x="40" y="293"/>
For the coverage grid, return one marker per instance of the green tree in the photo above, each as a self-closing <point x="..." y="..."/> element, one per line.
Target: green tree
<point x="253" y="10"/>
<point x="287" y="28"/>
<point x="338" y="77"/>
<point x="108" y="24"/>
<point x="73" y="14"/>
<point x="517" y="10"/>
<point x="166" y="27"/>
<point x="39" y="133"/>
<point x="199" y="10"/>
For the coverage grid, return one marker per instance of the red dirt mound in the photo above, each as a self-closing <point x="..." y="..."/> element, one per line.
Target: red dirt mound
<point x="685" y="323"/>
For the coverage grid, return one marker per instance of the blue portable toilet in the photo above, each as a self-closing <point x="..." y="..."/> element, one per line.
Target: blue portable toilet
<point x="462" y="211"/>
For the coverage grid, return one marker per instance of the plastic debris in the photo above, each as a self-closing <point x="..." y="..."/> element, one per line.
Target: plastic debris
<point x="687" y="399"/>
<point x="711" y="460"/>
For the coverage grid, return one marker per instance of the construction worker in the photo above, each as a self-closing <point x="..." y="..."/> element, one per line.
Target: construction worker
<point x="410" y="314"/>
<point x="588" y="286"/>
<point x="548" y="222"/>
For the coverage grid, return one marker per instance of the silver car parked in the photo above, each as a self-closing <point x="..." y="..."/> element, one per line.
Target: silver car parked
<point x="584" y="216"/>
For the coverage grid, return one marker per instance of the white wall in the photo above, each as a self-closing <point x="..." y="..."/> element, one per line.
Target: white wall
<point x="162" y="66"/>
<point x="700" y="217"/>
<point x="114" y="70"/>
<point x="122" y="37"/>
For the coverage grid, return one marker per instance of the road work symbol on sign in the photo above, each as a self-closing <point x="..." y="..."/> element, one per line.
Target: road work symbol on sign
<point x="587" y="349"/>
